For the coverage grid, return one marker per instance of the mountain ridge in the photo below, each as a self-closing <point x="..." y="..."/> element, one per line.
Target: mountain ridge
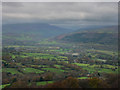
<point x="30" y="32"/>
<point x="107" y="35"/>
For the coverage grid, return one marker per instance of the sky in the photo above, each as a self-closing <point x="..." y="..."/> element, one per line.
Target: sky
<point x="62" y="14"/>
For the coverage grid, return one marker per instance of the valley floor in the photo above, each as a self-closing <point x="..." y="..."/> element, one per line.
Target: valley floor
<point x="51" y="63"/>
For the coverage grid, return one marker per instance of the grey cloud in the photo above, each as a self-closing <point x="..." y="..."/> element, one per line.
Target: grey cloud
<point x="61" y="13"/>
<point x="12" y="4"/>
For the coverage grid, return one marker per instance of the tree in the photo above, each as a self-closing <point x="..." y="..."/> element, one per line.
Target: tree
<point x="97" y="83"/>
<point x="70" y="82"/>
<point x="19" y="84"/>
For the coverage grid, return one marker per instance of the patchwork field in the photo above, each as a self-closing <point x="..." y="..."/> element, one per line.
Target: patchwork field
<point x="54" y="63"/>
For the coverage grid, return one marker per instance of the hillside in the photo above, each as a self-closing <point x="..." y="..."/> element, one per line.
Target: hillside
<point x="26" y="32"/>
<point x="107" y="35"/>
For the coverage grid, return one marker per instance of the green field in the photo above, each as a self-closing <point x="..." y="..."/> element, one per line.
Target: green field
<point x="48" y="42"/>
<point x="58" y="66"/>
<point x="5" y="85"/>
<point x="105" y="52"/>
<point x="54" y="70"/>
<point x="11" y="70"/>
<point x="43" y="83"/>
<point x="82" y="77"/>
<point x="81" y="64"/>
<point x="18" y="46"/>
<point x="101" y="60"/>
<point x="42" y="66"/>
<point x="61" y="51"/>
<point x="31" y="70"/>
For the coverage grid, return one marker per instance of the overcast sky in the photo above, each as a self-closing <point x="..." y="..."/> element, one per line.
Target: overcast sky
<point x="63" y="14"/>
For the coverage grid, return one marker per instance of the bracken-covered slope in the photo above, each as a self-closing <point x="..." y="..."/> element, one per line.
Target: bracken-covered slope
<point x="107" y="35"/>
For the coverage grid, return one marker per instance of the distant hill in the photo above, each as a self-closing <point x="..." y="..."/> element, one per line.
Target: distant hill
<point x="107" y="29"/>
<point x="108" y="35"/>
<point x="30" y="32"/>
